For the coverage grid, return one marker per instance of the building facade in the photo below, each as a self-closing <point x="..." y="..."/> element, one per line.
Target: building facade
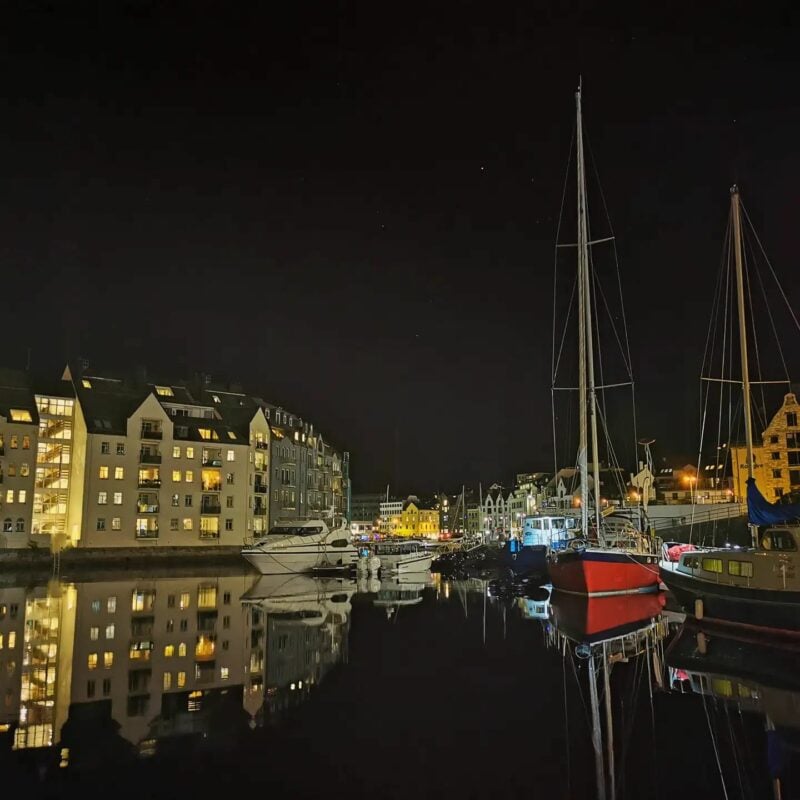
<point x="777" y="460"/>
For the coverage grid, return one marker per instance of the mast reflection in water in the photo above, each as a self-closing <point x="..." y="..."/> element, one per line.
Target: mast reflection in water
<point x="158" y="685"/>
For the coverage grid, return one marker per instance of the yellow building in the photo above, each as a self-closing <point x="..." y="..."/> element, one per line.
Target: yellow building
<point x="417" y="521"/>
<point x="776" y="465"/>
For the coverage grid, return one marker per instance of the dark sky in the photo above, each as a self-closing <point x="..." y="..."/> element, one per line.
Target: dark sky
<point x="352" y="207"/>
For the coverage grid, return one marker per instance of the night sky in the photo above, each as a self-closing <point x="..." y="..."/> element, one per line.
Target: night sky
<point x="352" y="207"/>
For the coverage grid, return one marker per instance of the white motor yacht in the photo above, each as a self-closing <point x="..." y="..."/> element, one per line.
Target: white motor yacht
<point x="402" y="555"/>
<point x="302" y="546"/>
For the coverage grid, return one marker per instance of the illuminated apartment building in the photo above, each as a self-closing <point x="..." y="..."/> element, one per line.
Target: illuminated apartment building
<point x="12" y="631"/>
<point x="166" y="464"/>
<point x="18" y="427"/>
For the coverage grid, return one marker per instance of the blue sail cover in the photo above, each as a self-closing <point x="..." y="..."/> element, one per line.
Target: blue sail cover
<point x="762" y="512"/>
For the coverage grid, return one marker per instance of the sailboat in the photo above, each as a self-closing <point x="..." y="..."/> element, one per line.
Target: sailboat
<point x="608" y="558"/>
<point x="758" y="586"/>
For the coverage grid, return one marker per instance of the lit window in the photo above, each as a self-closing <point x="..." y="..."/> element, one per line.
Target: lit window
<point x="18" y="415"/>
<point x="187" y="523"/>
<point x="94" y="634"/>
<point x="205" y="433"/>
<point x="176" y="475"/>
<point x="24" y="470"/>
<point x="95" y="606"/>
<point x="215" y="398"/>
<point x="189" y="477"/>
<point x="110" y="631"/>
<point x="112" y="604"/>
<point x="102" y="473"/>
<point x="169" y="650"/>
<point x="12" y="640"/>
<point x="223" y="673"/>
<point x="167" y="681"/>
<point x="207" y="597"/>
<point x="231" y="455"/>
<point x="108" y="659"/>
<point x="117" y="498"/>
<point x="231" y="435"/>
<point x="184" y="604"/>
<point x="22" y="495"/>
<point x="119" y="473"/>
<point x="743" y="569"/>
<point x="176" y="452"/>
<point x="165" y="391"/>
<point x="712" y="564"/>
<point x="190" y="452"/>
<point x="9" y="497"/>
<point x="182" y="649"/>
<point x="102" y="498"/>
<point x="14" y="442"/>
<point x="116" y="523"/>
<point x="91" y="661"/>
<point x="181" y="680"/>
<point x="86" y="383"/>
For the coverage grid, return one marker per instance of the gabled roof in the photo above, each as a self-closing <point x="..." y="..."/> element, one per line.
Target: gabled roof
<point x="16" y="393"/>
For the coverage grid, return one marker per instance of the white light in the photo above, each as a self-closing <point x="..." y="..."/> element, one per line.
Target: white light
<point x="292" y="687"/>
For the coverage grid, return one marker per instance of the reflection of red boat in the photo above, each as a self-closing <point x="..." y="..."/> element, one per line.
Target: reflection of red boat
<point x="604" y="571"/>
<point x="592" y="619"/>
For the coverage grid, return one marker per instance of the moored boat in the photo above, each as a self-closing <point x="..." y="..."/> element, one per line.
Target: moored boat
<point x="302" y="546"/>
<point x="402" y="555"/>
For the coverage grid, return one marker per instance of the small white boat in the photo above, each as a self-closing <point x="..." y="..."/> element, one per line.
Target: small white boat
<point x="302" y="546"/>
<point x="400" y="556"/>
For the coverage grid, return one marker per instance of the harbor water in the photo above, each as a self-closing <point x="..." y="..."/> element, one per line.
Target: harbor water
<point x="125" y="684"/>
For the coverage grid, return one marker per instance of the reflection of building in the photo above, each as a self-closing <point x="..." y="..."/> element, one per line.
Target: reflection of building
<point x="12" y="629"/>
<point x="299" y="627"/>
<point x="777" y="459"/>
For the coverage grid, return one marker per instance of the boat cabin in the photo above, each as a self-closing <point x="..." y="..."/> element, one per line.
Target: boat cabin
<point x="397" y="548"/>
<point x="550" y="531"/>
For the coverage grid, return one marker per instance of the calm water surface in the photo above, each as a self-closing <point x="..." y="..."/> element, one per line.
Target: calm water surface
<point x="130" y="685"/>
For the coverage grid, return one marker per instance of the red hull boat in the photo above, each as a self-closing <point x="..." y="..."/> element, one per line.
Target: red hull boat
<point x="600" y="572"/>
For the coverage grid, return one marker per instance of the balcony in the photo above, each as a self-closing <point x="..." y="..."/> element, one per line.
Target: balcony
<point x="212" y="461"/>
<point x="210" y="508"/>
<point x="147" y="533"/>
<point x="211" y="487"/>
<point x="146" y="508"/>
<point x="260" y="488"/>
<point x="149" y="458"/>
<point x="261" y="445"/>
<point x="155" y="434"/>
<point x="149" y="483"/>
<point x="209" y="535"/>
<point x="260" y="510"/>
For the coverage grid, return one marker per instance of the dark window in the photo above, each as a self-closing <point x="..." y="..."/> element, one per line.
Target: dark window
<point x="776" y="456"/>
<point x="794" y="458"/>
<point x="170" y="601"/>
<point x="184" y="624"/>
<point x="779" y="492"/>
<point x="226" y="598"/>
<point x="776" y="473"/>
<point x="791" y="419"/>
<point x="791" y="440"/>
<point x="90" y="689"/>
<point x="794" y="477"/>
<point x="107" y="687"/>
<point x="778" y="540"/>
<point x="773" y="440"/>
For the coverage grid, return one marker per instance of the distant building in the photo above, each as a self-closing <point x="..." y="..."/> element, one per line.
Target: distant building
<point x="777" y="460"/>
<point x="390" y="516"/>
<point x="366" y="507"/>
<point x="417" y="520"/>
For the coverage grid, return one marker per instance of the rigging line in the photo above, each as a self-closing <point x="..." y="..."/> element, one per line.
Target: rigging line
<point x="763" y="410"/>
<point x="710" y="343"/>
<point x="714" y="743"/>
<point x="724" y="334"/>
<point x="626" y="359"/>
<point x="557" y="363"/>
<point x="555" y="438"/>
<point x="652" y="716"/>
<point x="771" y="318"/>
<point x="769" y="264"/>
<point x="616" y="255"/>
<point x="596" y="321"/>
<point x="558" y="236"/>
<point x="566" y="726"/>
<point x="603" y="386"/>
<point x="612" y="458"/>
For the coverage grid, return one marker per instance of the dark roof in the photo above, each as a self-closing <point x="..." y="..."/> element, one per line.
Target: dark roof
<point x="16" y="392"/>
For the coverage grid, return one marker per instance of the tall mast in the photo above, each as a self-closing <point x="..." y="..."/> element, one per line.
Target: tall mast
<point x="585" y="352"/>
<point x="737" y="249"/>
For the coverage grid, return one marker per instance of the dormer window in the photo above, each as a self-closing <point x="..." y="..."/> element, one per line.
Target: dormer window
<point x="20" y="415"/>
<point x="215" y="398"/>
<point x="86" y="383"/>
<point x="164" y="391"/>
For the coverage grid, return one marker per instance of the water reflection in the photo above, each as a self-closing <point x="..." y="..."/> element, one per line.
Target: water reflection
<point x="151" y="670"/>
